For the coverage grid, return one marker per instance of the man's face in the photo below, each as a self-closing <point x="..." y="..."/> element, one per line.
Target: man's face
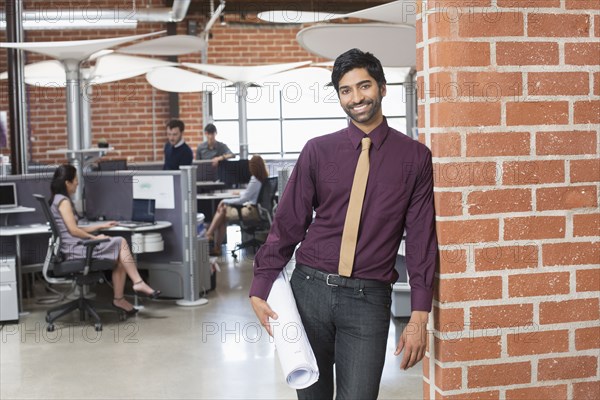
<point x="210" y="137"/>
<point x="174" y="135"/>
<point x="360" y="97"/>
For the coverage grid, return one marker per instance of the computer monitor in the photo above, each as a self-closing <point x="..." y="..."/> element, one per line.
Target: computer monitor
<point x="112" y="165"/>
<point x="206" y="172"/>
<point x="8" y="195"/>
<point x="234" y="173"/>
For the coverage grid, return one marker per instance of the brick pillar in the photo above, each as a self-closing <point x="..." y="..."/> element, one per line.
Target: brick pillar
<point x="509" y="103"/>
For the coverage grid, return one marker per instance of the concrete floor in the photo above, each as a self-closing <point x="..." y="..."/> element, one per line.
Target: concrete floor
<point x="215" y="351"/>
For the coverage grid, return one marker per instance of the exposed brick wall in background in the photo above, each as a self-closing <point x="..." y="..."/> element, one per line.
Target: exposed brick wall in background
<point x="508" y="103"/>
<point x="130" y="114"/>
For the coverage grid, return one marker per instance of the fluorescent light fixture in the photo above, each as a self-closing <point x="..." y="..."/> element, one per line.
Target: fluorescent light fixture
<point x="75" y="24"/>
<point x="92" y="18"/>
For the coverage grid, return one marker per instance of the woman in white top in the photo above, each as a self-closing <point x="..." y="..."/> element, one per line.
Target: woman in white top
<point x="225" y="212"/>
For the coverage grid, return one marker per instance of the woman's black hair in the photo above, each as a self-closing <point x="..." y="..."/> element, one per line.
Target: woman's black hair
<point x="62" y="174"/>
<point x="356" y="58"/>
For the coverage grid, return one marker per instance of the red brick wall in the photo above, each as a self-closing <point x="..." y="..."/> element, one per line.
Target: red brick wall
<point x="509" y="104"/>
<point x="122" y="112"/>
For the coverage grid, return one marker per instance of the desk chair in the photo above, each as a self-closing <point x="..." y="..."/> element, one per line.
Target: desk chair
<point x="81" y="272"/>
<point x="265" y="205"/>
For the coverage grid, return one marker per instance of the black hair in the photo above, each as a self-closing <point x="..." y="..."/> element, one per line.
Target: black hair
<point x="356" y="58"/>
<point x="210" y="128"/>
<point x="175" y="123"/>
<point x="64" y="173"/>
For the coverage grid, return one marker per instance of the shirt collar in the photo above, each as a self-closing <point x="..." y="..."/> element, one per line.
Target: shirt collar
<point x="180" y="143"/>
<point x="377" y="135"/>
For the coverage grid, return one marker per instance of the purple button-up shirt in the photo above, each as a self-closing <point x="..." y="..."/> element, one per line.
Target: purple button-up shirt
<point x="399" y="196"/>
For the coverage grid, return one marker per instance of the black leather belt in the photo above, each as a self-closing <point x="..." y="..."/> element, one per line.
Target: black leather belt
<point x="341" y="281"/>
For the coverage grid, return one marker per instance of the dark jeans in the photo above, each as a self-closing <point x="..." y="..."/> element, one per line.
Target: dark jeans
<point x="347" y="327"/>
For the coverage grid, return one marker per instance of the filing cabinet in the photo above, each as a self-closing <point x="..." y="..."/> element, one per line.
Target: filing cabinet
<point x="9" y="301"/>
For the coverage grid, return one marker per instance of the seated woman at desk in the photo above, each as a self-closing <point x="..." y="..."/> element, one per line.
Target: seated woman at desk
<point x="225" y="212"/>
<point x="63" y="185"/>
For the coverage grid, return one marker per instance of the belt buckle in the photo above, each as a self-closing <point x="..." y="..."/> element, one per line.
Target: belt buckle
<point x="327" y="280"/>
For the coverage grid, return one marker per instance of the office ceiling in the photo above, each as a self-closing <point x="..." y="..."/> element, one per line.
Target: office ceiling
<point x="254" y="6"/>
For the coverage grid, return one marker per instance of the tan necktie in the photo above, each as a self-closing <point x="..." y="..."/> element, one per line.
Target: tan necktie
<point x="357" y="195"/>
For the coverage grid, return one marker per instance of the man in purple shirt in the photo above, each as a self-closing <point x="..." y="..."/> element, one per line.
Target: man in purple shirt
<point x="347" y="319"/>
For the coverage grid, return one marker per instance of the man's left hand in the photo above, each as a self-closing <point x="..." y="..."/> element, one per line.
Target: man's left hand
<point x="413" y="340"/>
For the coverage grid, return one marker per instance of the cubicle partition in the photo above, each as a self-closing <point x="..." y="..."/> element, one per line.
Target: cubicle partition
<point x="24" y="220"/>
<point x="181" y="270"/>
<point x="108" y="196"/>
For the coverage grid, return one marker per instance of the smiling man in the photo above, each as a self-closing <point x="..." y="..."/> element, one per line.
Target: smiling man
<point x="366" y="185"/>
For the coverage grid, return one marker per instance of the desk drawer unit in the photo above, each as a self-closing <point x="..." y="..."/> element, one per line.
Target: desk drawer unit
<point x="9" y="307"/>
<point x="7" y="270"/>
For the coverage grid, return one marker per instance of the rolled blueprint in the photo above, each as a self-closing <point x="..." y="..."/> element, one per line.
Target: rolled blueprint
<point x="297" y="359"/>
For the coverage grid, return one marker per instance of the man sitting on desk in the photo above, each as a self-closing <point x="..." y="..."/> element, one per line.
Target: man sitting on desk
<point x="177" y="152"/>
<point x="211" y="149"/>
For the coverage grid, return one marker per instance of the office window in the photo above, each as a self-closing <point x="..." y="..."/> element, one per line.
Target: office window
<point x="264" y="137"/>
<point x="282" y="118"/>
<point x="262" y="103"/>
<point x="298" y="132"/>
<point x="314" y="101"/>
<point x="228" y="133"/>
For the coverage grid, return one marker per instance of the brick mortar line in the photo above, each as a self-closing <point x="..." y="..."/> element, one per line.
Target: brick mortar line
<point x="493" y="40"/>
<point x="505" y="358"/>
<point x="568" y="325"/>
<point x="520" y="272"/>
<point x="516" y="243"/>
<point x="535" y="301"/>
<point x="502" y="389"/>
<point x="587" y="127"/>
<point x="504" y="287"/>
<point x="507" y="273"/>
<point x="528" y="157"/>
<point x="519" y="68"/>
<point x="481" y="334"/>
<point x="494" y="6"/>
<point x="531" y="129"/>
<point x="568" y="171"/>
<point x="522" y="99"/>
<point x="516" y="359"/>
<point x="520" y="214"/>
<point x="425" y="73"/>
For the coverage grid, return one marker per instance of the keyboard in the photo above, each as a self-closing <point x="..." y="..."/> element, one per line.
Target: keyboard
<point x="134" y="224"/>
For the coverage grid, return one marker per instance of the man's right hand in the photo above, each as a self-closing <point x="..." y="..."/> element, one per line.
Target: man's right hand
<point x="263" y="312"/>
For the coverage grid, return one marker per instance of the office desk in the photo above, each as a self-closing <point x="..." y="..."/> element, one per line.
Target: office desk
<point x="13" y="210"/>
<point x="146" y="228"/>
<point x="187" y="276"/>
<point x="134" y="249"/>
<point x="17" y="231"/>
<point x="211" y="198"/>
<point x="209" y="184"/>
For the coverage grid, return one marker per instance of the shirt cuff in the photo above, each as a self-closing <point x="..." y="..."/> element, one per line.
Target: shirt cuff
<point x="261" y="287"/>
<point x="421" y="299"/>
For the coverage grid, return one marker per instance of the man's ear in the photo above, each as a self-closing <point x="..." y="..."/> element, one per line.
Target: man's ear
<point x="383" y="90"/>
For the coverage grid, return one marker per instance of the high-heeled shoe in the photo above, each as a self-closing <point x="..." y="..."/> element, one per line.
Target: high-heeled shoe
<point x="154" y="295"/>
<point x="128" y="313"/>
